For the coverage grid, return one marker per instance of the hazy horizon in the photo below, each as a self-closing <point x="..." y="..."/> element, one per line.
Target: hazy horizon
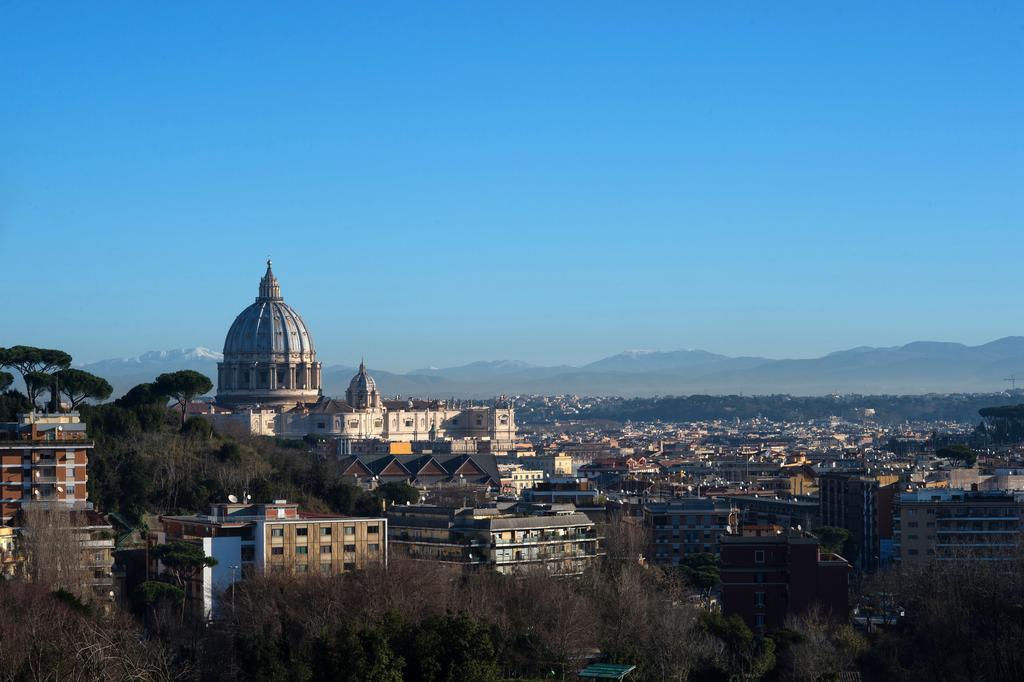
<point x="439" y="185"/>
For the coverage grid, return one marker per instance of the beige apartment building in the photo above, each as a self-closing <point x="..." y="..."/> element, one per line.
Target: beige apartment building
<point x="553" y="465"/>
<point x="274" y="537"/>
<point x="515" y="478"/>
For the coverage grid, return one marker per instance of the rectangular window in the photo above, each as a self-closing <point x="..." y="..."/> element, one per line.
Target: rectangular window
<point x="350" y="530"/>
<point x="326" y="549"/>
<point x="276" y="551"/>
<point x="302" y="532"/>
<point x="350" y="548"/>
<point x="372" y="530"/>
<point x="758" y="556"/>
<point x="302" y="550"/>
<point x="277" y="532"/>
<point x="325" y="531"/>
<point x="350" y="566"/>
<point x="325" y="567"/>
<point x="373" y="547"/>
<point x="301" y="568"/>
<point x="759" y="620"/>
<point x="759" y="599"/>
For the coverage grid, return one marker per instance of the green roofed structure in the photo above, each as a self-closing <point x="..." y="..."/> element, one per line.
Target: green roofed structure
<point x="606" y="671"/>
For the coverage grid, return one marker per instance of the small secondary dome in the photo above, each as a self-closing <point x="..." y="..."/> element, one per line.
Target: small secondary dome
<point x="362" y="390"/>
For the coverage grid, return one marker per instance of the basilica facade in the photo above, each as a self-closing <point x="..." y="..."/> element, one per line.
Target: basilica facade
<point x="270" y="381"/>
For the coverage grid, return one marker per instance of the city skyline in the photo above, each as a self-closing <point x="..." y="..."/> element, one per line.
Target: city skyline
<point x="443" y="186"/>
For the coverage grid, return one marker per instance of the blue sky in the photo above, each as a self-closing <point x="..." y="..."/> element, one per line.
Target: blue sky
<point x="554" y="182"/>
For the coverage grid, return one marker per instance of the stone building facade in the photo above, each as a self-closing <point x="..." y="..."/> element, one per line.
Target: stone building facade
<point x="271" y="381"/>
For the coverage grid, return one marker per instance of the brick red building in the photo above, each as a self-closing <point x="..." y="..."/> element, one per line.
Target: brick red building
<point x="769" y="573"/>
<point x="43" y="458"/>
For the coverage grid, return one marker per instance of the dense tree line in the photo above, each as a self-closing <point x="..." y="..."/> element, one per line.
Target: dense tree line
<point x="964" y="621"/>
<point x="144" y="463"/>
<point x="888" y="409"/>
<point x="1002" y="423"/>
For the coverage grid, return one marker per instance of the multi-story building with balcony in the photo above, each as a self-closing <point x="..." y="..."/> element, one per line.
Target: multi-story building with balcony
<point x="511" y="539"/>
<point x="275" y="537"/>
<point x="43" y="464"/>
<point x="944" y="525"/>
<point x="681" y="526"/>
<point x="43" y="458"/>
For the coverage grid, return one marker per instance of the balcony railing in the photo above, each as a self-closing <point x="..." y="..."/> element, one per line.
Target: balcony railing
<point x="575" y="537"/>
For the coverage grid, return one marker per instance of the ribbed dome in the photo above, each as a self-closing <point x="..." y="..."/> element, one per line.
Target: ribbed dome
<point x="269" y="357"/>
<point x="269" y="325"/>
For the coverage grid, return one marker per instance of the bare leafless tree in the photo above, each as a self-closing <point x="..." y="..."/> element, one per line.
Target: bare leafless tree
<point x="55" y="553"/>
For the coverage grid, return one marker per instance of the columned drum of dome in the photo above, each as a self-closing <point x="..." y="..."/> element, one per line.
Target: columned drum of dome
<point x="269" y="356"/>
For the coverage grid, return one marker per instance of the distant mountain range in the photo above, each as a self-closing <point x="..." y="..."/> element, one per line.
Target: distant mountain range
<point x="921" y="367"/>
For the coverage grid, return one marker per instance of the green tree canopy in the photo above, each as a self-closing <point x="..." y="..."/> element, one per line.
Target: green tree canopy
<point x="78" y="386"/>
<point x="153" y="592"/>
<point x="701" y="570"/>
<point x="832" y="538"/>
<point x="959" y="453"/>
<point x="183" y="386"/>
<point x="141" y="395"/>
<point x="13" y="403"/>
<point x="398" y="492"/>
<point x="183" y="561"/>
<point x="35" y="361"/>
<point x="6" y="379"/>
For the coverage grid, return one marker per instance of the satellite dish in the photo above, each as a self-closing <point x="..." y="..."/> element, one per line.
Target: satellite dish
<point x="232" y="499"/>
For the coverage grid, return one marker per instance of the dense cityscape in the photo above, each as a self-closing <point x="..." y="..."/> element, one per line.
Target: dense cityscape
<point x="284" y="533"/>
<point x="496" y="342"/>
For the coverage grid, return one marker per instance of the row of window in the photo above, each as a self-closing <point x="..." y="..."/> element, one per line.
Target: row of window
<point x="325" y="531"/>
<point x="326" y="549"/>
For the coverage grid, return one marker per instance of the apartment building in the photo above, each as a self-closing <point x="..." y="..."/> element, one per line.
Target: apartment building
<point x="515" y="478"/>
<point x="507" y="539"/>
<point x="553" y="464"/>
<point x="681" y="526"/>
<point x="273" y="537"/>
<point x="943" y="524"/>
<point x="862" y="505"/>
<point x="788" y="512"/>
<point x="43" y="458"/>
<point x="769" y="573"/>
<point x="579" y="492"/>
